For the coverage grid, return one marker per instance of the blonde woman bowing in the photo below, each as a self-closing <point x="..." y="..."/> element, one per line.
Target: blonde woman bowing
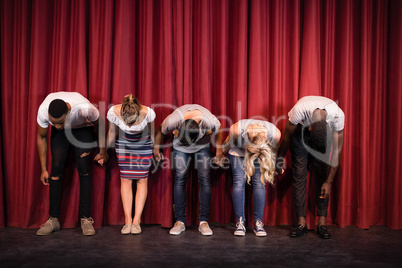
<point x="252" y="149"/>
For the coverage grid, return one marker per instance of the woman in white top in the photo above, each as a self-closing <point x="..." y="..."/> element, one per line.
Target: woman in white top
<point x="134" y="155"/>
<point x="252" y="145"/>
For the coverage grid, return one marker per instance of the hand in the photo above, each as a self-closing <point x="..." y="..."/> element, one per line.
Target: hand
<point x="101" y="158"/>
<point x="219" y="160"/>
<point x="280" y="166"/>
<point x="157" y="155"/>
<point x="44" y="177"/>
<point x="325" y="190"/>
<point x="280" y="172"/>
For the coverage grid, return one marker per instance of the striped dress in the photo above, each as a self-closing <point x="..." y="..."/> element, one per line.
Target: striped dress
<point x="133" y="147"/>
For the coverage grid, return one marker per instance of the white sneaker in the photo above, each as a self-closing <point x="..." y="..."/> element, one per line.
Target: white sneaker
<point x="240" y="229"/>
<point x="178" y="228"/>
<point x="259" y="229"/>
<point x="204" y="228"/>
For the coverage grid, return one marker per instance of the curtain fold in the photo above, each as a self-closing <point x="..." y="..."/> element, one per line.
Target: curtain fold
<point x="2" y="212"/>
<point x="240" y="59"/>
<point x="393" y="141"/>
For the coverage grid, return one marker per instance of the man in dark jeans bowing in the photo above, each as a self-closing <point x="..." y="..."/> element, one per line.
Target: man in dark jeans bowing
<point x="192" y="126"/>
<point x="314" y="124"/>
<point x="72" y="118"/>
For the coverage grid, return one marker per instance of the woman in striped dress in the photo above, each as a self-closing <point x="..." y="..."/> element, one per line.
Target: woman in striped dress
<point x="129" y="126"/>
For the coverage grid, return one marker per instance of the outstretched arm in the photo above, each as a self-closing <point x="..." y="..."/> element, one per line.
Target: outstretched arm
<point x="233" y="135"/>
<point x="41" y="142"/>
<point x="159" y="137"/>
<point x="102" y="156"/>
<point x="223" y="148"/>
<point x="219" y="140"/>
<point x="337" y="138"/>
<point x="219" y="157"/>
<point x="283" y="148"/>
<point x="111" y="136"/>
<point x="277" y="138"/>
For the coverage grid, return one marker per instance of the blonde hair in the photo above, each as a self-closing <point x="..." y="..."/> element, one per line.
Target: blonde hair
<point x="266" y="158"/>
<point x="130" y="109"/>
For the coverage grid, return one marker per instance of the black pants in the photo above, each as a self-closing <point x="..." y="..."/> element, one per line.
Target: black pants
<point x="300" y="161"/>
<point x="59" y="148"/>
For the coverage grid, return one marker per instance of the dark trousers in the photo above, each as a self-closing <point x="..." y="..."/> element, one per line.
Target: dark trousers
<point x="59" y="148"/>
<point x="301" y="158"/>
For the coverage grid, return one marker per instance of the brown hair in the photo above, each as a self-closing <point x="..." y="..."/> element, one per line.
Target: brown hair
<point x="130" y="109"/>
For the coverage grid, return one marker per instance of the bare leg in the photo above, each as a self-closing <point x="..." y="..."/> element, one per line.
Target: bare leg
<point x="127" y="199"/>
<point x="322" y="220"/>
<point x="140" y="198"/>
<point x="301" y="220"/>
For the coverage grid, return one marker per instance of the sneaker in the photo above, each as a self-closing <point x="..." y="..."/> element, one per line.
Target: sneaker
<point x="204" y="228"/>
<point x="49" y="227"/>
<point x="259" y="229"/>
<point x="86" y="225"/>
<point x="178" y="228"/>
<point x="240" y="229"/>
<point x="126" y="229"/>
<point x="136" y="229"/>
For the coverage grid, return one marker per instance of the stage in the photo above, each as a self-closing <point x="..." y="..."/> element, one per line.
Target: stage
<point x="240" y="59"/>
<point x="353" y="247"/>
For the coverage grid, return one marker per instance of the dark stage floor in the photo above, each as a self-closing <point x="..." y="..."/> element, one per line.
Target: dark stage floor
<point x="351" y="247"/>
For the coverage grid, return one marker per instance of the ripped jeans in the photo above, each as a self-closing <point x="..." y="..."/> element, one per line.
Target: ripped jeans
<point x="59" y="148"/>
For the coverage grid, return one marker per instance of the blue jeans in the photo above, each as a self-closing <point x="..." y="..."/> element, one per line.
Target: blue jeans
<point x="182" y="166"/>
<point x="239" y="182"/>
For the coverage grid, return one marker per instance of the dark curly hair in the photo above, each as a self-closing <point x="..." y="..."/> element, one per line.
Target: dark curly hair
<point x="189" y="131"/>
<point x="319" y="135"/>
<point x="57" y="108"/>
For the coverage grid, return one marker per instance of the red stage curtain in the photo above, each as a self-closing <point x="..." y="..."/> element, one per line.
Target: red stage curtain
<point x="2" y="214"/>
<point x="240" y="59"/>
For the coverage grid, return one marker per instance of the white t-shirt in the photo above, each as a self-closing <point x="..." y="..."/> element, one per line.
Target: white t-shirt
<point x="303" y="110"/>
<point x="208" y="122"/>
<point x="82" y="112"/>
<point x="240" y="144"/>
<point x="134" y="129"/>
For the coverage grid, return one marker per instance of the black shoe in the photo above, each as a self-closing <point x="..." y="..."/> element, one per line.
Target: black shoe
<point x="322" y="232"/>
<point x="300" y="230"/>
